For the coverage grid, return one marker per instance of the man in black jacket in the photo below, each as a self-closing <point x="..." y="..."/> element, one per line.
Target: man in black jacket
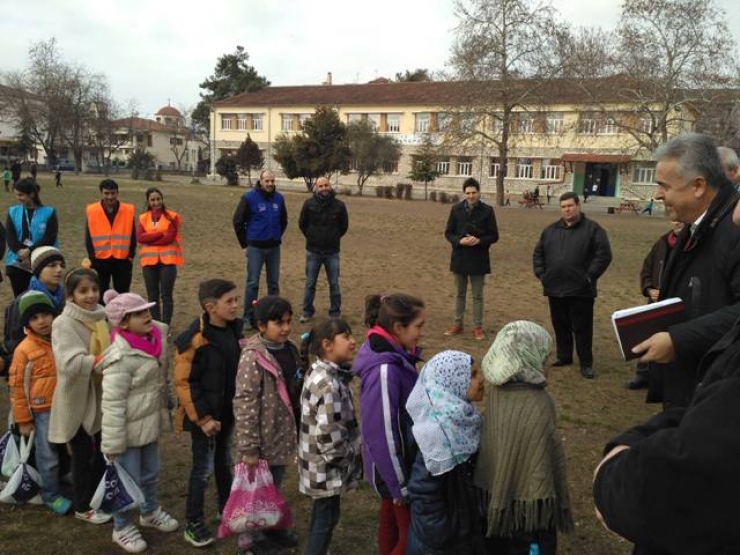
<point x="323" y="221"/>
<point x="471" y="230"/>
<point x="569" y="258"/>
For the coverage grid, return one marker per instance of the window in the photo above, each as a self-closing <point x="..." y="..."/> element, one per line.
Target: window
<point x="554" y="123"/>
<point x="148" y="140"/>
<point x="550" y="169"/>
<point x="525" y="124"/>
<point x="241" y="121"/>
<point x="225" y="121"/>
<point x="497" y="122"/>
<point x="644" y="174"/>
<point x="421" y="124"/>
<point x="610" y="127"/>
<point x="175" y="141"/>
<point x="464" y="166"/>
<point x="443" y="167"/>
<point x="524" y="168"/>
<point x="646" y="125"/>
<point x="390" y="167"/>
<point x="443" y="121"/>
<point x="588" y="126"/>
<point x="286" y="122"/>
<point x="467" y="122"/>
<point x="374" y="120"/>
<point x="303" y="118"/>
<point x="257" y="122"/>
<point x="352" y="118"/>
<point x="494" y="167"/>
<point x="394" y="123"/>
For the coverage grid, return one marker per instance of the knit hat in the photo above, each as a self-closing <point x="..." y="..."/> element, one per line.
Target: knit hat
<point x="34" y="302"/>
<point x="117" y="305"/>
<point x="42" y="257"/>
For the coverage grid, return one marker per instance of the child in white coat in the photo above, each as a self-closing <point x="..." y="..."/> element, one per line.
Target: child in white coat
<point x="135" y="408"/>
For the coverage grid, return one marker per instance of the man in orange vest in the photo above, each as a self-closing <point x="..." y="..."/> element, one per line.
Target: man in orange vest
<point x="110" y="238"/>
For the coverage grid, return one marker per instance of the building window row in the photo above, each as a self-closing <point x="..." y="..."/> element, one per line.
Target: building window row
<point x="381" y="122"/>
<point x="644" y="174"/>
<point x="241" y="122"/>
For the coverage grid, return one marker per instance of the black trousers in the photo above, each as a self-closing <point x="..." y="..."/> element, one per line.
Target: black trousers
<point x="115" y="269"/>
<point x="88" y="466"/>
<point x="573" y="316"/>
<point x="19" y="279"/>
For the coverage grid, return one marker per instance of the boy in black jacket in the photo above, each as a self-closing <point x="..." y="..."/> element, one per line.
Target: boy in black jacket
<point x="205" y="373"/>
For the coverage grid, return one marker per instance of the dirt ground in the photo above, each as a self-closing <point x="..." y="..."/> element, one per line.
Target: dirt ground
<point x="391" y="246"/>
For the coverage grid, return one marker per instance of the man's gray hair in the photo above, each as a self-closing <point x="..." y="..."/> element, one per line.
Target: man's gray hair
<point x="729" y="158"/>
<point x="696" y="155"/>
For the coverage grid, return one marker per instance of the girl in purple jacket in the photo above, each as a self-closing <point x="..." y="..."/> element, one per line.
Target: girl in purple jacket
<point x="386" y="364"/>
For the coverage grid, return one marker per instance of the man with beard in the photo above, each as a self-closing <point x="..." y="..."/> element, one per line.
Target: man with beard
<point x="259" y="223"/>
<point x="323" y="222"/>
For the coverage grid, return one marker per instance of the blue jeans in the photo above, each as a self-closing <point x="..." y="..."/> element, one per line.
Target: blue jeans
<point x="256" y="258"/>
<point x="324" y="518"/>
<point x="47" y="457"/>
<point x="142" y="464"/>
<point x="210" y="455"/>
<point x="313" y="266"/>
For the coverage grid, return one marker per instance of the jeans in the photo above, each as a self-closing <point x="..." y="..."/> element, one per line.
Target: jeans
<point x="159" y="280"/>
<point x="573" y="316"/>
<point x="47" y="457"/>
<point x="88" y="467"/>
<point x="211" y="455"/>
<point x="142" y="464"/>
<point x="115" y="269"/>
<point x="314" y="262"/>
<point x="476" y="284"/>
<point x="256" y="258"/>
<point x="324" y="518"/>
<point x="248" y="539"/>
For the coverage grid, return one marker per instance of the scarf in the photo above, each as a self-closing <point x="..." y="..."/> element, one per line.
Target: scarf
<point x="518" y="354"/>
<point x="56" y="298"/>
<point x="521" y="465"/>
<point x="446" y="425"/>
<point x="150" y="344"/>
<point x="99" y="336"/>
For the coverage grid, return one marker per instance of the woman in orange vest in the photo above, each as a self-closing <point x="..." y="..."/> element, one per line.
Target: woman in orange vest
<point x="160" y="253"/>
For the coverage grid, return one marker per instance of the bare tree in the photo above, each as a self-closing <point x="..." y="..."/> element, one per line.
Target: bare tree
<point x="107" y="132"/>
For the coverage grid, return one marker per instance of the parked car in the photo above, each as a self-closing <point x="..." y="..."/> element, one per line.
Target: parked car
<point x="66" y="166"/>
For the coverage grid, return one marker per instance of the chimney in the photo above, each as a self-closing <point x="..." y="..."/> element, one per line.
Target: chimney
<point x="328" y="79"/>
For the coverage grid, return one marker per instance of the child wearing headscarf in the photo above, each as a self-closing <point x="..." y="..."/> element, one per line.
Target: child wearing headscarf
<point x="445" y="516"/>
<point x="521" y="465"/>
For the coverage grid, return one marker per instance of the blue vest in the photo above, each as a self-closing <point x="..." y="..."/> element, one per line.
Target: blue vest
<point x="264" y="216"/>
<point x="37" y="227"/>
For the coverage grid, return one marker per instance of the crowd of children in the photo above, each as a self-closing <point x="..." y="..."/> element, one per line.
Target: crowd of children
<point x="97" y="379"/>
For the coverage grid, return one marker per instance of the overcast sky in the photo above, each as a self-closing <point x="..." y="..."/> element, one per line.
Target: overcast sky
<point x="155" y="50"/>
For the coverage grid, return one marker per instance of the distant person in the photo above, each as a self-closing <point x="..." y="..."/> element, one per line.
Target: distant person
<point x="16" y="169"/>
<point x="7" y="175"/>
<point x="569" y="258"/>
<point x="58" y="177"/>
<point x="160" y="253"/>
<point x="110" y="238"/>
<point x="30" y="225"/>
<point x="648" y="208"/>
<point x="730" y="164"/>
<point x="323" y="221"/>
<point x="34" y="169"/>
<point x="704" y="271"/>
<point x="471" y="230"/>
<point x="549" y="193"/>
<point x="259" y="221"/>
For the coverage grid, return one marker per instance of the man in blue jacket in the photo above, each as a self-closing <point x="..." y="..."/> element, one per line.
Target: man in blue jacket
<point x="259" y="223"/>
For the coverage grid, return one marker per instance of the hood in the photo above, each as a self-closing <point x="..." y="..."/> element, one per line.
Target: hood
<point x="376" y="350"/>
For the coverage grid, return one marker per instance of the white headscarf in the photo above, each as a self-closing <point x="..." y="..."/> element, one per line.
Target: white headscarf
<point x="446" y="425"/>
<point x="518" y="354"/>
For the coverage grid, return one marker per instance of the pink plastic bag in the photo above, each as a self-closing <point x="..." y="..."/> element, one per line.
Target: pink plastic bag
<point x="254" y="503"/>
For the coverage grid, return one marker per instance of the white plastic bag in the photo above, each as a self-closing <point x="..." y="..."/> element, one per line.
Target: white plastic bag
<point x="24" y="485"/>
<point x="117" y="491"/>
<point x="11" y="457"/>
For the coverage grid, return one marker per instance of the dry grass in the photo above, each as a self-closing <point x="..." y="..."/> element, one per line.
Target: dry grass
<point x="391" y="245"/>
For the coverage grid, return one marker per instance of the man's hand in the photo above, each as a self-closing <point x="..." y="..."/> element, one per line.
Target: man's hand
<point x="211" y="428"/>
<point x="653" y="293"/>
<point x="656" y="348"/>
<point x="469" y="241"/>
<point x="24" y="253"/>
<point x="26" y="429"/>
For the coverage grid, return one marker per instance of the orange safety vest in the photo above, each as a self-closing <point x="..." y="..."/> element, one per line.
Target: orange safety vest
<point x="107" y="241"/>
<point x="149" y="255"/>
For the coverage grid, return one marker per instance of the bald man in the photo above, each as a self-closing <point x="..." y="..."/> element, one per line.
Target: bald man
<point x="323" y="221"/>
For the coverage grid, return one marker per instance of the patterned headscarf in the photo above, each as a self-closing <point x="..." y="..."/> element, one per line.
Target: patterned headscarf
<point x="446" y="425"/>
<point x="518" y="354"/>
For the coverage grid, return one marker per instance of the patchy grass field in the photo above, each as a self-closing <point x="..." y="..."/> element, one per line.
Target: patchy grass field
<point x="391" y="246"/>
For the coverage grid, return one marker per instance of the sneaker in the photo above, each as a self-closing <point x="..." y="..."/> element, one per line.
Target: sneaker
<point x="197" y="534"/>
<point x="456" y="329"/>
<point x="130" y="539"/>
<point x="478" y="334"/>
<point x="61" y="505"/>
<point x="160" y="520"/>
<point x="305" y="319"/>
<point x="94" y="517"/>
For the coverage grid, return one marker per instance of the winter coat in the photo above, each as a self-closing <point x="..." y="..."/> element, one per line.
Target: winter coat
<point x="78" y="393"/>
<point x="263" y="407"/>
<point x="480" y="221"/>
<point x="329" y="445"/>
<point x="204" y="382"/>
<point x="705" y="272"/>
<point x="569" y="260"/>
<point x="323" y="222"/>
<point x="388" y="375"/>
<point x="653" y="265"/>
<point x="135" y="395"/>
<point x="32" y="378"/>
<point x="445" y="512"/>
<point x="675" y="491"/>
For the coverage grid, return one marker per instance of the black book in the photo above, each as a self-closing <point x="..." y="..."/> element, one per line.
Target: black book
<point x="634" y="325"/>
